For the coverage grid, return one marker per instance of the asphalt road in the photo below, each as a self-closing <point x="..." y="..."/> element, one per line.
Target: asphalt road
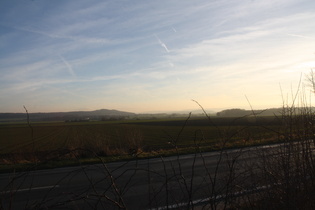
<point x="140" y="184"/>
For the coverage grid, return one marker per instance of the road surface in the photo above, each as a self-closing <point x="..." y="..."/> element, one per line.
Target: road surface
<point x="158" y="183"/>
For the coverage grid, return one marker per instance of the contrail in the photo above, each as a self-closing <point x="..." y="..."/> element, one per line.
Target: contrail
<point x="162" y="43"/>
<point x="69" y="67"/>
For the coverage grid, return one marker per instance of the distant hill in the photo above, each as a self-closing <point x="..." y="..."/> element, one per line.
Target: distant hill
<point x="262" y="112"/>
<point x="66" y="116"/>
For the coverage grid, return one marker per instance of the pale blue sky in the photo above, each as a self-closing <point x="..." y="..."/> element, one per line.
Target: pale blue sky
<point x="152" y="56"/>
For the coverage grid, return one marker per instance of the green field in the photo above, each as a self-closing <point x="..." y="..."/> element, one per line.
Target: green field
<point x="23" y="143"/>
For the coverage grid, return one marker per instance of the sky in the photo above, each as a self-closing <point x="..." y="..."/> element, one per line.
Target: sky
<point x="153" y="56"/>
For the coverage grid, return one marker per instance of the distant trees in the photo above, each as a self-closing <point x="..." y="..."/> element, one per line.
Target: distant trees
<point x="267" y="112"/>
<point x="79" y="120"/>
<point x="113" y="118"/>
<point x="234" y="113"/>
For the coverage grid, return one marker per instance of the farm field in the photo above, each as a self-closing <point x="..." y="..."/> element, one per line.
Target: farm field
<point x="22" y="143"/>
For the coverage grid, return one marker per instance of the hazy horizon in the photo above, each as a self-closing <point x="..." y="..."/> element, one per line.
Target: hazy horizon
<point x="146" y="56"/>
<point x="183" y="111"/>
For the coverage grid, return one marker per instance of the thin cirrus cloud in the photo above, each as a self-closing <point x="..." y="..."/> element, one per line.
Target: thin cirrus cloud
<point x="301" y="36"/>
<point x="167" y="51"/>
<point x="69" y="37"/>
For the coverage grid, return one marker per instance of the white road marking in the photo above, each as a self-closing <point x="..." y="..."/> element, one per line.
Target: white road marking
<point x="30" y="189"/>
<point x="218" y="197"/>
